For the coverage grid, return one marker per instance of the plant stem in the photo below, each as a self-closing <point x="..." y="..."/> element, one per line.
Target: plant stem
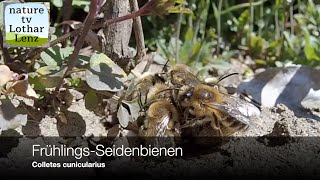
<point x="291" y="19"/>
<point x="276" y="16"/>
<point x="178" y="37"/>
<point x="251" y="17"/>
<point x="219" y="26"/>
<point x="138" y="33"/>
<point x="261" y="18"/>
<point x="277" y="35"/>
<point x="243" y="5"/>
<point x="105" y="93"/>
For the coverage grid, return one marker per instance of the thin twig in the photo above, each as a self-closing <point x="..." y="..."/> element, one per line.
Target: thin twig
<point x="105" y="93"/>
<point x="36" y="51"/>
<point x="94" y="9"/>
<point x="138" y="32"/>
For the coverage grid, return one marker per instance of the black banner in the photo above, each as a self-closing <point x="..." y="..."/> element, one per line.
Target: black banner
<point x="181" y="157"/>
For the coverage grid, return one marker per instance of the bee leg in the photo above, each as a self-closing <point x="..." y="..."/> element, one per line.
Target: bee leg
<point x="193" y="122"/>
<point x="215" y="123"/>
<point x="227" y="121"/>
<point x="140" y="101"/>
<point x="145" y="97"/>
<point x="188" y="124"/>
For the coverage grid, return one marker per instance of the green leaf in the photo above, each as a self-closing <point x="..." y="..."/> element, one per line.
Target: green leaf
<point x="76" y="82"/>
<point x="164" y="7"/>
<point x="57" y="3"/>
<point x="55" y="56"/>
<point x="181" y="2"/>
<point x="261" y="62"/>
<point x="46" y="70"/>
<point x="189" y="35"/>
<point x="46" y="77"/>
<point x="310" y="47"/>
<point x="256" y="43"/>
<point x="34" y="80"/>
<point x="310" y="7"/>
<point x="243" y="19"/>
<point x="274" y="44"/>
<point x="178" y="9"/>
<point x="91" y="100"/>
<point x="104" y="74"/>
<point x="215" y="11"/>
<point x="82" y="3"/>
<point x="128" y="112"/>
<point x="83" y="60"/>
<point x="123" y="116"/>
<point x="134" y="108"/>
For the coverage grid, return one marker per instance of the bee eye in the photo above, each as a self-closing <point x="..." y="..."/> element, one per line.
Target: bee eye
<point x="186" y="96"/>
<point x="206" y="95"/>
<point x="189" y="94"/>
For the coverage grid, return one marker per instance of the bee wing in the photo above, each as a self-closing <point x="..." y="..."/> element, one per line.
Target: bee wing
<point x="162" y="126"/>
<point x="160" y="139"/>
<point x="237" y="108"/>
<point x="192" y="80"/>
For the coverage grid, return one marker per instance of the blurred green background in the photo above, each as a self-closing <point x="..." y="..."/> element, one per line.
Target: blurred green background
<point x="271" y="33"/>
<point x="267" y="32"/>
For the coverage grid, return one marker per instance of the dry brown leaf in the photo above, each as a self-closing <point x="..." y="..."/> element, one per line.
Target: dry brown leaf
<point x="21" y="87"/>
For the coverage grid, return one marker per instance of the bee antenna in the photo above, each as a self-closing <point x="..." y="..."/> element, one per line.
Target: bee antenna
<point x="167" y="90"/>
<point x="165" y="66"/>
<point x="147" y="104"/>
<point x="226" y="76"/>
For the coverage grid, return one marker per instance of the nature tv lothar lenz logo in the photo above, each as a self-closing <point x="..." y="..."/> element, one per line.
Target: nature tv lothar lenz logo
<point x="26" y="24"/>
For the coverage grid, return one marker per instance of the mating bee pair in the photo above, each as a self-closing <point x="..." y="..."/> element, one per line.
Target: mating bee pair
<point x="178" y="101"/>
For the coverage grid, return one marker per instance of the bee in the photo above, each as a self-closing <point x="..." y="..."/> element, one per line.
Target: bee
<point x="161" y="124"/>
<point x="140" y="88"/>
<point x="144" y="83"/>
<point x="226" y="112"/>
<point x="181" y="75"/>
<point x="159" y="91"/>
